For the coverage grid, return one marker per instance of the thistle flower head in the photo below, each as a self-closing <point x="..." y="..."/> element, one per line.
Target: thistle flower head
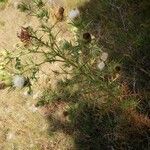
<point x="87" y="37"/>
<point x="61" y="10"/>
<point x="24" y="35"/>
<point x="2" y="85"/>
<point x="60" y="14"/>
<point x="73" y="14"/>
<point x="101" y="65"/>
<point x="104" y="56"/>
<point x="118" y="68"/>
<point x="18" y="81"/>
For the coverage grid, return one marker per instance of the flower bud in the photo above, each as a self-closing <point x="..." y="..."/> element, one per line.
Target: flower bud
<point x="87" y="37"/>
<point x="73" y="14"/>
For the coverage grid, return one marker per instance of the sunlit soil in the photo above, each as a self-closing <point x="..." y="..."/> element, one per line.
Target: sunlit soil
<point x="22" y="125"/>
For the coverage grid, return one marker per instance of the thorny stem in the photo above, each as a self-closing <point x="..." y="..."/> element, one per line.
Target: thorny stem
<point x="57" y="53"/>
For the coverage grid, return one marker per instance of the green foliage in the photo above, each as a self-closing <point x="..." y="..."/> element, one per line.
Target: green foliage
<point x="2" y="1"/>
<point x="3" y="4"/>
<point x="24" y="7"/>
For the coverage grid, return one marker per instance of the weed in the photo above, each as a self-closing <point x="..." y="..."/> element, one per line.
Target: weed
<point x="102" y="76"/>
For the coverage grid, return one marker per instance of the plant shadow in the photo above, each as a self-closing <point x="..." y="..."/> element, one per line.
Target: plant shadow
<point x="92" y="130"/>
<point x="122" y="30"/>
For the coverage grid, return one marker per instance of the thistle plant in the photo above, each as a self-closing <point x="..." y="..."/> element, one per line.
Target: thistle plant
<point x="82" y="59"/>
<point x="92" y="82"/>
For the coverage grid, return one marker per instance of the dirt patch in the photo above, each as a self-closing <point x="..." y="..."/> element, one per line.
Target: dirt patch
<point x="22" y="125"/>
